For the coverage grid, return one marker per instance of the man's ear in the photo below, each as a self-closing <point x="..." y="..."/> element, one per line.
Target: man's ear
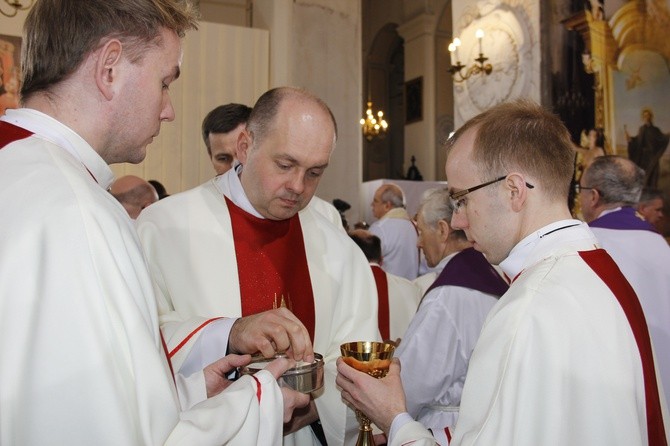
<point x="515" y="184"/>
<point x="107" y="68"/>
<point x="444" y="229"/>
<point x="244" y="143"/>
<point x="594" y="198"/>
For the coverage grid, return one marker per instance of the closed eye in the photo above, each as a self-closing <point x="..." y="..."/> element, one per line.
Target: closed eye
<point x="316" y="173"/>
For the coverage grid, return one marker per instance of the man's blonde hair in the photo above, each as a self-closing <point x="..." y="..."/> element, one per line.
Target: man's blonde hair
<point x="58" y="34"/>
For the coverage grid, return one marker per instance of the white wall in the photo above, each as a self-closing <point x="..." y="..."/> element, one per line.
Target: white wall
<point x="222" y="64"/>
<point x="316" y="45"/>
<point x="12" y="26"/>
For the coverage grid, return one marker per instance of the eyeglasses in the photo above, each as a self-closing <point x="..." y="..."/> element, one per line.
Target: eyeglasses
<point x="579" y="188"/>
<point x="457" y="200"/>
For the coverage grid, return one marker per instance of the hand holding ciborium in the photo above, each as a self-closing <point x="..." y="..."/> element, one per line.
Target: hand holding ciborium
<point x="374" y="359"/>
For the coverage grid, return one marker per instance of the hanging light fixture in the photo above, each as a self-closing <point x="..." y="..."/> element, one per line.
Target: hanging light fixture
<point x="478" y="67"/>
<point x="16" y="5"/>
<point x="373" y="127"/>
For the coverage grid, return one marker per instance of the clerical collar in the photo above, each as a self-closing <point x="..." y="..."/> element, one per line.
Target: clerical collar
<point x="608" y="211"/>
<point x="236" y="194"/>
<point x="64" y="137"/>
<point x="516" y="260"/>
<point x="399" y="213"/>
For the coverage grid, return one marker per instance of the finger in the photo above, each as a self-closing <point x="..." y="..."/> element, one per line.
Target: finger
<point x="280" y="365"/>
<point x="227" y="363"/>
<point x="297" y="341"/>
<point x="293" y="400"/>
<point x="395" y="365"/>
<point x="345" y="369"/>
<point x="266" y="346"/>
<point x="233" y="360"/>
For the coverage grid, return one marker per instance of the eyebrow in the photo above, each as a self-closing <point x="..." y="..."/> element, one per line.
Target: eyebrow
<point x="295" y="161"/>
<point x="177" y="72"/>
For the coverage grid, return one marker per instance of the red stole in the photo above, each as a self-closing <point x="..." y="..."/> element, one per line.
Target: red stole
<point x="603" y="265"/>
<point x="10" y="133"/>
<point x="272" y="265"/>
<point x="383" y="314"/>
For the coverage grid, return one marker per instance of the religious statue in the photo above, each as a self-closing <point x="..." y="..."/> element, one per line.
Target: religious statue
<point x="647" y="147"/>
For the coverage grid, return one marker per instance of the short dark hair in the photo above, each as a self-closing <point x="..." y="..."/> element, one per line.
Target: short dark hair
<point x="160" y="189"/>
<point x="649" y="194"/>
<point x="224" y="119"/>
<point x="522" y="135"/>
<point x="370" y="244"/>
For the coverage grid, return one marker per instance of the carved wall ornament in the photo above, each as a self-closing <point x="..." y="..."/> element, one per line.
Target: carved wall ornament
<point x="510" y="42"/>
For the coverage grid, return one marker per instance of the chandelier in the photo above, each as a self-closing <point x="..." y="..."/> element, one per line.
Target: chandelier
<point x="17" y="6"/>
<point x="372" y="126"/>
<point x="478" y="67"/>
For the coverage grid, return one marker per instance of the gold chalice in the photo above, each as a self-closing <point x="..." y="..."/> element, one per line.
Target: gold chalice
<point x="374" y="359"/>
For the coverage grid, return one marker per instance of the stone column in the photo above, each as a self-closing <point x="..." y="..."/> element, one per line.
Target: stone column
<point x="419" y="36"/>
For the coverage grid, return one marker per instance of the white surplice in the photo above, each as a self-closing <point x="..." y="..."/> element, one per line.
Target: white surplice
<point x="398" y="236"/>
<point x="556" y="362"/>
<point x="81" y="359"/>
<point x="441" y="338"/>
<point x="189" y="244"/>
<point x="644" y="258"/>
<point x="404" y="297"/>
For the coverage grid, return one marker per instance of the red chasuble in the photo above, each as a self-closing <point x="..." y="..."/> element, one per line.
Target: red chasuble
<point x="383" y="314"/>
<point x="272" y="265"/>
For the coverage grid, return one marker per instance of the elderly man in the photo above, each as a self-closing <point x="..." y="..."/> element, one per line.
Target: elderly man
<point x="134" y="194"/>
<point x="610" y="189"/>
<point x="248" y="244"/>
<point x="397" y="232"/>
<point x="565" y="356"/>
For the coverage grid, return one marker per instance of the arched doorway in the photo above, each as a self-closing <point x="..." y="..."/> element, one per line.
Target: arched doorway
<point x="383" y="84"/>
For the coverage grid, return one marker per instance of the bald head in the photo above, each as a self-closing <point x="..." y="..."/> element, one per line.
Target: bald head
<point x="263" y="117"/>
<point x="387" y="197"/>
<point x="134" y="194"/>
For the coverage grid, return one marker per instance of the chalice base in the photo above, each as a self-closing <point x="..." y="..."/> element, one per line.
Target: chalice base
<point x="365" y="437"/>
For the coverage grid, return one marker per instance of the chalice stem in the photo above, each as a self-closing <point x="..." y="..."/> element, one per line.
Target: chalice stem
<point x="365" y="437"/>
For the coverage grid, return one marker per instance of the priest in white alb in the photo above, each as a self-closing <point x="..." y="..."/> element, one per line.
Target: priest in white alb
<point x="249" y="245"/>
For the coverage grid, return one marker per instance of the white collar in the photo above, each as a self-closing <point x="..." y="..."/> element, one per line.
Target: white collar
<point x="522" y="254"/>
<point x="64" y="137"/>
<point x="230" y="185"/>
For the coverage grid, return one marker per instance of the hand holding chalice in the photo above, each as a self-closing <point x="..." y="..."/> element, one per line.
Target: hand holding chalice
<point x="374" y="359"/>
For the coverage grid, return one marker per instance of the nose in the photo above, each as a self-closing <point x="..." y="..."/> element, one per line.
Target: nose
<point x="296" y="183"/>
<point x="458" y="220"/>
<point x="167" y="114"/>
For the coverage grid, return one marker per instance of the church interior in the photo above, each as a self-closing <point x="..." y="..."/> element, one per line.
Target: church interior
<point x="428" y="65"/>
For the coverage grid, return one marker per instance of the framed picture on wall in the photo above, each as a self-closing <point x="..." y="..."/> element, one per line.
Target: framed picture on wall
<point x="414" y="100"/>
<point x="10" y="75"/>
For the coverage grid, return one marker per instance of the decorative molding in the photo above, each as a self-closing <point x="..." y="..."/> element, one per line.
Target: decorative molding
<point x="510" y="43"/>
<point x="420" y="26"/>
